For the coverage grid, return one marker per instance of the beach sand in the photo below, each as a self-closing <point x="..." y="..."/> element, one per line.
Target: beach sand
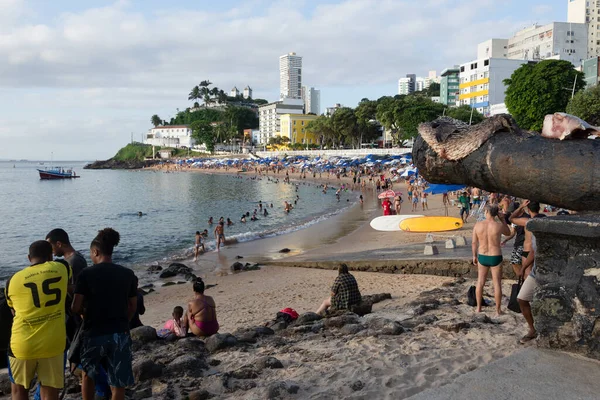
<point x="329" y="364"/>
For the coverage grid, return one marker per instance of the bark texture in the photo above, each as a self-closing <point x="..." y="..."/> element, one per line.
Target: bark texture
<point x="512" y="161"/>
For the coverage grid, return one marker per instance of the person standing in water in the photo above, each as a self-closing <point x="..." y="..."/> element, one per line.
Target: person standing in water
<point x="487" y="253"/>
<point x="220" y="235"/>
<point x="198" y="245"/>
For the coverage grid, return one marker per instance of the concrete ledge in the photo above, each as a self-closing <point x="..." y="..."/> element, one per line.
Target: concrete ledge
<point x="531" y="374"/>
<point x="443" y="267"/>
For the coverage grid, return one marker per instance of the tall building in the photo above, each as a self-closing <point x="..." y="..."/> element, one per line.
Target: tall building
<point x="555" y="41"/>
<point x="312" y="100"/>
<point x="407" y="85"/>
<point x="234" y="92"/>
<point x="269" y="116"/>
<point x="493" y="48"/>
<point x="481" y="82"/>
<point x="449" y="86"/>
<point x="290" y="76"/>
<point x="247" y="92"/>
<point x="587" y="12"/>
<point x="591" y="69"/>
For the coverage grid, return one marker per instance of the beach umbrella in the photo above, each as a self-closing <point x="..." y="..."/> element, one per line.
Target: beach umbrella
<point x="408" y="173"/>
<point x="388" y="194"/>
<point x="437" y="189"/>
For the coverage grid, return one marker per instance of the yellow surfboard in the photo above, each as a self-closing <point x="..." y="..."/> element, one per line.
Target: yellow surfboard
<point x="431" y="224"/>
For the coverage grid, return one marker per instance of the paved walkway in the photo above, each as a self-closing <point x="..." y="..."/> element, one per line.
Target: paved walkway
<point x="531" y="374"/>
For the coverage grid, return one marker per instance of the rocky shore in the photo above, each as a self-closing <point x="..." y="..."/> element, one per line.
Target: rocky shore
<point x="395" y="350"/>
<point x="116" y="164"/>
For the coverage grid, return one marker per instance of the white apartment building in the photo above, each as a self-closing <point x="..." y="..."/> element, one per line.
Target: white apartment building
<point x="269" y="123"/>
<point x="492" y="48"/>
<point x="312" y="100"/>
<point x="556" y="41"/>
<point x="407" y="85"/>
<point x="290" y="76"/>
<point x="234" y="92"/>
<point x="481" y="82"/>
<point x="587" y="12"/>
<point x="171" y="136"/>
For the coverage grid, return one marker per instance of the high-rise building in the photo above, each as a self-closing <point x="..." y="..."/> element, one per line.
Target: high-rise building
<point x="234" y="92"/>
<point x="482" y="82"/>
<point x="312" y="100"/>
<point x="591" y="70"/>
<point x="449" y="86"/>
<point x="247" y="92"/>
<point x="555" y="41"/>
<point x="407" y="85"/>
<point x="269" y="116"/>
<point x="587" y="12"/>
<point x="290" y="76"/>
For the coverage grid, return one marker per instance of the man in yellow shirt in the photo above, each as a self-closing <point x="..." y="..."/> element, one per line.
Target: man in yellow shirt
<point x="37" y="296"/>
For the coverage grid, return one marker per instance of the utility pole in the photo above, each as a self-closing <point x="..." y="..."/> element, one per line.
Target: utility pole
<point x="131" y="137"/>
<point x="471" y="118"/>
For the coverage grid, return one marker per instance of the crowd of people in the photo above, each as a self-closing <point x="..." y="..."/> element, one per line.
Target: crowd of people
<point x="64" y="304"/>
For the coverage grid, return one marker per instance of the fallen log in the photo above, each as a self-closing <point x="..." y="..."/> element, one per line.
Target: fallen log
<point x="498" y="156"/>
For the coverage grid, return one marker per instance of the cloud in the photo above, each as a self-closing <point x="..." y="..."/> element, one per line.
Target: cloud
<point x="118" y="60"/>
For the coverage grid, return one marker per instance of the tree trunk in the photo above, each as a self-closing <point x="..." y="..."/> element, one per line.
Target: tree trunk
<point x="559" y="173"/>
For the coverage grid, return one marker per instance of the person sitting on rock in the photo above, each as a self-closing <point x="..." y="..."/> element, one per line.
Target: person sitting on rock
<point x="202" y="314"/>
<point x="176" y="326"/>
<point x="344" y="292"/>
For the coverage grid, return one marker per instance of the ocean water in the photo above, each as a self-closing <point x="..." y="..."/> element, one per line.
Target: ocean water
<point x="174" y="207"/>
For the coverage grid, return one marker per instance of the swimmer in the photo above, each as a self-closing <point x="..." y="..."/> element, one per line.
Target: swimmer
<point x="243" y="219"/>
<point x="220" y="235"/>
<point x="210" y="221"/>
<point x="265" y="212"/>
<point x="229" y="222"/>
<point x="140" y="214"/>
<point x="198" y="245"/>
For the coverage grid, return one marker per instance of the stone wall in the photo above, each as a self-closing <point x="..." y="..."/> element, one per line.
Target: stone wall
<point x="566" y="305"/>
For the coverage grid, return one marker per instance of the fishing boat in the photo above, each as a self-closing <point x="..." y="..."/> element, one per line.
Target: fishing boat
<point x="57" y="173"/>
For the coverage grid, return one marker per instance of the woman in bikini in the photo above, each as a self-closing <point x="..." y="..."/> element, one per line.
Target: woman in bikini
<point x="202" y="314"/>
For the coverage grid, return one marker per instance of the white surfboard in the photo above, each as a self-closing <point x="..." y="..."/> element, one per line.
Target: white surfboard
<point x="390" y="223"/>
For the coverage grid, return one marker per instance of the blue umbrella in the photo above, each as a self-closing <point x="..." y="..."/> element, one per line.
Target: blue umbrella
<point x="437" y="189"/>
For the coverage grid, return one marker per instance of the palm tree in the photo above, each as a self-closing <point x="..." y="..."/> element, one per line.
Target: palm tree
<point x="155" y="120"/>
<point x="194" y="94"/>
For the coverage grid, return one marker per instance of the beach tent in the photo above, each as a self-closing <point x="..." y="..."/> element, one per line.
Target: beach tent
<point x="438" y="189"/>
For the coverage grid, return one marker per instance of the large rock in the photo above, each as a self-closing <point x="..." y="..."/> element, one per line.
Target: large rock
<point x="236" y="266"/>
<point x="453" y="325"/>
<point x="176" y="269"/>
<point x="199" y="395"/>
<point x="339" y="321"/>
<point x="307" y="318"/>
<point x="187" y="364"/>
<point x="362" y="308"/>
<point x="220" y="341"/>
<point x="146" y="369"/>
<point x="155" y="268"/>
<point x="144" y="334"/>
<point x="5" y="386"/>
<point x="281" y="390"/>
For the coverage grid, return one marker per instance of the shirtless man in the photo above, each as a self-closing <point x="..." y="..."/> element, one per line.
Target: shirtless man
<point x="487" y="253"/>
<point x="424" y="204"/>
<point x="201" y="315"/>
<point x="520" y="218"/>
<point x="198" y="245"/>
<point x="220" y="234"/>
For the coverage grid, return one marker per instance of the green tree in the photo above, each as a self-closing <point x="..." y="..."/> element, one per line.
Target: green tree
<point x="260" y="102"/>
<point x="279" y="140"/>
<point x="586" y="105"/>
<point x="203" y="132"/>
<point x="345" y="126"/>
<point x="463" y="113"/>
<point x="155" y="120"/>
<point x="535" y="90"/>
<point x="195" y="94"/>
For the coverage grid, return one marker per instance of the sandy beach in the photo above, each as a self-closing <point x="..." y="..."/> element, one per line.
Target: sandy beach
<point x="386" y="366"/>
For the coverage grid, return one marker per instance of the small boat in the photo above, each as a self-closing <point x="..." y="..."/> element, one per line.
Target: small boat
<point x="57" y="173"/>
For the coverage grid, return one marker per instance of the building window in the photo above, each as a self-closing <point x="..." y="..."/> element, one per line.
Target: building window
<point x="462" y="69"/>
<point x="486" y="63"/>
<point x="302" y="122"/>
<point x="294" y="122"/>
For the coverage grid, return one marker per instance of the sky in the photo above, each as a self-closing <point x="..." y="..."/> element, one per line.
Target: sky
<point x="79" y="78"/>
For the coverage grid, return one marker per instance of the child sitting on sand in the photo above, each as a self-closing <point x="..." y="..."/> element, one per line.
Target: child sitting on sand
<point x="175" y="327"/>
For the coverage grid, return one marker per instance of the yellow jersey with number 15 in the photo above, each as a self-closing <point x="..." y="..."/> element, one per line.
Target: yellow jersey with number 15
<point x="37" y="295"/>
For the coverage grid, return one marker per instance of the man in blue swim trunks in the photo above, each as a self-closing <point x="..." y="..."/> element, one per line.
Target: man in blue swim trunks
<point x="487" y="253"/>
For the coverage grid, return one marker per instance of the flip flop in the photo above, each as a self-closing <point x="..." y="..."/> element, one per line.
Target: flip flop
<point x="526" y="339"/>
